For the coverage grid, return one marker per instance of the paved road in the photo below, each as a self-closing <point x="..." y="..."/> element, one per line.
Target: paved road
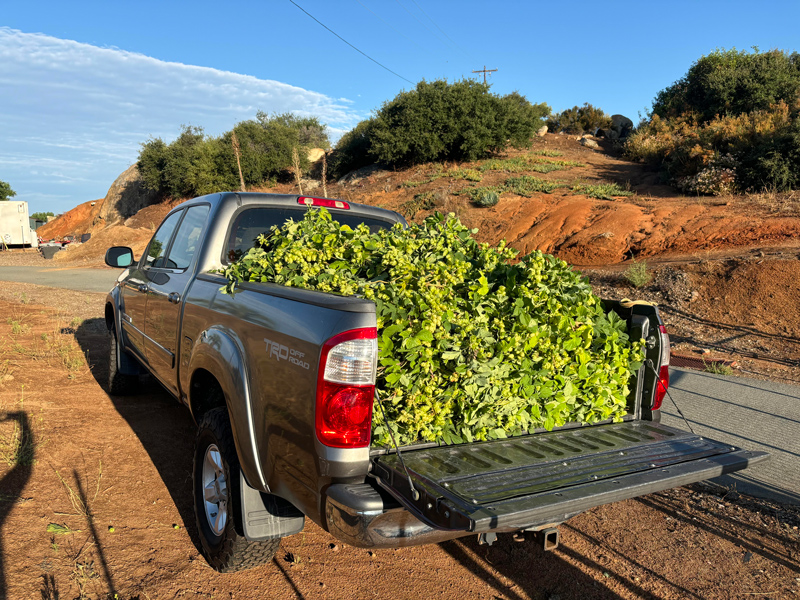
<point x="751" y="414"/>
<point x="81" y="279"/>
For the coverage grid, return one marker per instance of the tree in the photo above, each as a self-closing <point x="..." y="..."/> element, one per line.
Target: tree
<point x="6" y="193"/>
<point x="41" y="216"/>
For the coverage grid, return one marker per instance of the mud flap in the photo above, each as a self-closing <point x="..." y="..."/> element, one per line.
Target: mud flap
<point x="266" y="517"/>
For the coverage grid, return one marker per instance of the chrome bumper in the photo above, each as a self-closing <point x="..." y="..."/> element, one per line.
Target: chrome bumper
<point x="355" y="514"/>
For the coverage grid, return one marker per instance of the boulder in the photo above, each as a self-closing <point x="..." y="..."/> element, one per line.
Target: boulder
<point x="622" y="125"/>
<point x="354" y="177"/>
<point x="542" y="130"/>
<point x="589" y="143"/>
<point x="126" y="196"/>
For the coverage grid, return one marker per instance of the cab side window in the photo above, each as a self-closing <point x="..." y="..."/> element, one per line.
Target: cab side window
<point x="157" y="249"/>
<point x="187" y="240"/>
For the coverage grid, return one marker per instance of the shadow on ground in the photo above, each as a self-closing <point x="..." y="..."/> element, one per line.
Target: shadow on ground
<point x="164" y="427"/>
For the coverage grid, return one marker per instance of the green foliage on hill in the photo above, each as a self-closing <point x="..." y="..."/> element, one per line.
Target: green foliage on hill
<point x="731" y="83"/>
<point x="6" y="193"/>
<point x="579" y="119"/>
<point x="474" y="344"/>
<point x="439" y="121"/>
<point x="196" y="164"/>
<point x="732" y="123"/>
<point x="41" y="216"/>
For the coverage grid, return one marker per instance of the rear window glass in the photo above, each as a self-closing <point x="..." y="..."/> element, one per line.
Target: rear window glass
<point x="254" y="221"/>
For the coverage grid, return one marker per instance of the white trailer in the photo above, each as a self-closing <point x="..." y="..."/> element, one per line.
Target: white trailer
<point x="15" y="226"/>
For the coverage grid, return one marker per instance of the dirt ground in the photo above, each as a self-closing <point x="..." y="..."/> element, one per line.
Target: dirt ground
<point x="95" y="502"/>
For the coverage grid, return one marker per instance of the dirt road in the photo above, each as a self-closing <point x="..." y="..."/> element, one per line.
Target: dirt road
<point x="95" y="501"/>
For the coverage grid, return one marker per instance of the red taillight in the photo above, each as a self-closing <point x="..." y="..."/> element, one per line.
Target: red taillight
<point x="663" y="369"/>
<point x="324" y="202"/>
<point x="346" y="389"/>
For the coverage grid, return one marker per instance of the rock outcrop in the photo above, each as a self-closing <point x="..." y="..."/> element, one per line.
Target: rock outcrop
<point x="126" y="196"/>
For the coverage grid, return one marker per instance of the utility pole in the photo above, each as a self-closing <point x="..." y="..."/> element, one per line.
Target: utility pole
<point x="485" y="71"/>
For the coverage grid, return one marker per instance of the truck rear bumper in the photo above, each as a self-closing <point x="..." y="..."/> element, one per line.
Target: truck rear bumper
<point x="356" y="515"/>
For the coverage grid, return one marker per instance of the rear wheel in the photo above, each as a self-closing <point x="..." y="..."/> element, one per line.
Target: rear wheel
<point x="216" y="499"/>
<point x="119" y="384"/>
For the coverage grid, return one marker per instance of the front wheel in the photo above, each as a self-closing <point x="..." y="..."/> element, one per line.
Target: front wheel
<point x="217" y="504"/>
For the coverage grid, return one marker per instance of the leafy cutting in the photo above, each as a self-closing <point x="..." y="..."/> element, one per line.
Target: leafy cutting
<point x="475" y="342"/>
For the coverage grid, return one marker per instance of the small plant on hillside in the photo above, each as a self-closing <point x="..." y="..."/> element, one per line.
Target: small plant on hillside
<point x="579" y="119"/>
<point x="487" y="198"/>
<point x="637" y="274"/>
<point x="547" y="167"/>
<point x="468" y="174"/>
<point x="509" y="165"/>
<point x="601" y="191"/>
<point x="423" y="201"/>
<point x="527" y="185"/>
<point x="477" y="192"/>
<point x="717" y="368"/>
<point x="717" y="179"/>
<point x="552" y="153"/>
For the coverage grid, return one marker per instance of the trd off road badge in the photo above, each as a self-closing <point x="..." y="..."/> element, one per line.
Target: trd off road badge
<point x="281" y="352"/>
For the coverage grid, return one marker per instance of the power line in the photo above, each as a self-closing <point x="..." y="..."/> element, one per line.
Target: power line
<point x="464" y="52"/>
<point x="390" y="25"/>
<point x="351" y="45"/>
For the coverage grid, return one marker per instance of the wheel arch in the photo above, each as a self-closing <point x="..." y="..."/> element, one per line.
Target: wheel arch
<point x="218" y="376"/>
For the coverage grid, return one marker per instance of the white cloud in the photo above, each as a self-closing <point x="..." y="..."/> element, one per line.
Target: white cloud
<point x="73" y="116"/>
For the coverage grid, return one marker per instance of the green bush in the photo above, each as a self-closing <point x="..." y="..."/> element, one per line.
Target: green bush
<point x="637" y="274"/>
<point x="761" y="148"/>
<point x="438" y="121"/>
<point x="41" y="216"/>
<point x="579" y="119"/>
<point x="195" y="164"/>
<point x="731" y="83"/>
<point x="473" y="343"/>
<point x="6" y="193"/>
<point x="526" y="185"/>
<point x="487" y="198"/>
<point x="732" y="123"/>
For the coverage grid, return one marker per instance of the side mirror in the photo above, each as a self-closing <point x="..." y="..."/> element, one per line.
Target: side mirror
<point x="119" y="257"/>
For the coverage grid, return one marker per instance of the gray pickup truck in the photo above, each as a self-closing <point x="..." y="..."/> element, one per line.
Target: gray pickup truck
<point x="280" y="382"/>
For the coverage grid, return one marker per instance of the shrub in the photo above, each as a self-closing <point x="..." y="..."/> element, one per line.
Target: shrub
<point x="352" y="150"/>
<point x="438" y="121"/>
<point x="6" y="193"/>
<point x="746" y="105"/>
<point x="636" y="274"/>
<point x="487" y="198"/>
<point x="730" y="83"/>
<point x="473" y="344"/>
<point x="579" y="119"/>
<point x="763" y="145"/>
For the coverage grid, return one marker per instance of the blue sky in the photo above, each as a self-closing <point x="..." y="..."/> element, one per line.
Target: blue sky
<point x="83" y="84"/>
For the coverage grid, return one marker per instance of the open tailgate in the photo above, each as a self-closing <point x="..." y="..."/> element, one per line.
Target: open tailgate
<point x="541" y="479"/>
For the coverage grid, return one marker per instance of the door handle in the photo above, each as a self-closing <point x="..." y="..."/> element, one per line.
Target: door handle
<point x="174" y="297"/>
<point x="142" y="288"/>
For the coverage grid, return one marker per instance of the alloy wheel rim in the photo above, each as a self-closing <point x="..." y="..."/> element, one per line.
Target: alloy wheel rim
<point x="215" y="490"/>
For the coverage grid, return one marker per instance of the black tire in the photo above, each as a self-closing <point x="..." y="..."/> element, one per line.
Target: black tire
<point x="226" y="549"/>
<point x="119" y="384"/>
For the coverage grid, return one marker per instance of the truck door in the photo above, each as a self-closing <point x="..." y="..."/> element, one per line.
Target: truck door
<point x="134" y="289"/>
<point x="167" y="287"/>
